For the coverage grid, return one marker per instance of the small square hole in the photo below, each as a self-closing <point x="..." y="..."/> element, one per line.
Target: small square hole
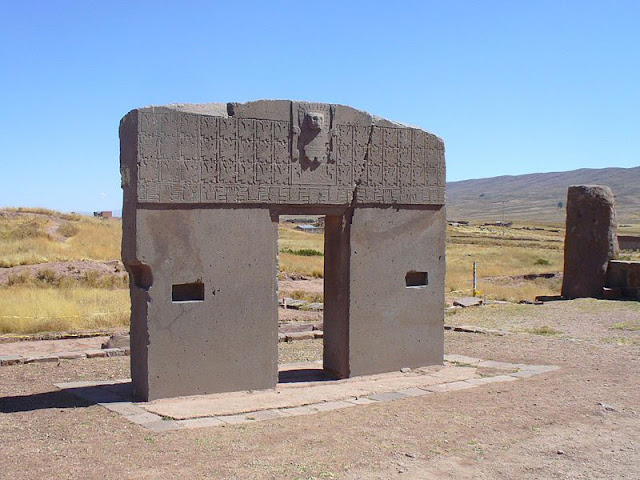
<point x="416" y="279"/>
<point x="187" y="292"/>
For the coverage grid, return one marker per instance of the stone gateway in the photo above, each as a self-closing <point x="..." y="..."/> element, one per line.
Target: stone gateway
<point x="204" y="186"/>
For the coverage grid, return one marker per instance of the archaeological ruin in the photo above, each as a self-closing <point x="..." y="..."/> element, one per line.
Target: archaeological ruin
<point x="204" y="186"/>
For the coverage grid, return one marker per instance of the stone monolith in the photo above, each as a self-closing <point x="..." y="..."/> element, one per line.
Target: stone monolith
<point x="590" y="240"/>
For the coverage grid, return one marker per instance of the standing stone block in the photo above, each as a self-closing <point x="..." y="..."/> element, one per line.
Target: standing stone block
<point x="590" y="242"/>
<point x="204" y="186"/>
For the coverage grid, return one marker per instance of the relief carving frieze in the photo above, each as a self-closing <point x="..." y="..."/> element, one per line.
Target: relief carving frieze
<point x="312" y="154"/>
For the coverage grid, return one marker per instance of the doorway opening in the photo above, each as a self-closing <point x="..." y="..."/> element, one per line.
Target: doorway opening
<point x="312" y="296"/>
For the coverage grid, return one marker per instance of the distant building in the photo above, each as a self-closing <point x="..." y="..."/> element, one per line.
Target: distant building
<point x="310" y="228"/>
<point x="497" y="224"/>
<point x="103" y="214"/>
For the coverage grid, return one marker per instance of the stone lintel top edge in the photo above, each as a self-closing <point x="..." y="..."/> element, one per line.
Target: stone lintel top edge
<point x="218" y="109"/>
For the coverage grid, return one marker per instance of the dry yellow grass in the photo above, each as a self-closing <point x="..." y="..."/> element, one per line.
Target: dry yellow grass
<point x="502" y="253"/>
<point x="32" y="310"/>
<point x="84" y="305"/>
<point x="30" y="238"/>
<point x="291" y="239"/>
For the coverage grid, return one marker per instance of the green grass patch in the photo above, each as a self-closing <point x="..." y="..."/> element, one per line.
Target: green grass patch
<point x="307" y="296"/>
<point x="303" y="252"/>
<point x="542" y="330"/>
<point x="630" y="325"/>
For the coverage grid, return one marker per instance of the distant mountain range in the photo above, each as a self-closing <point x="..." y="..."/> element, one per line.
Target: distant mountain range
<point x="539" y="197"/>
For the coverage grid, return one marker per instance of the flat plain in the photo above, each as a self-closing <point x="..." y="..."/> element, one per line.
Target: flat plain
<point x="580" y="421"/>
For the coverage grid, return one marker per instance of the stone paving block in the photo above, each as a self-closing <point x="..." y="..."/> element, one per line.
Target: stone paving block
<point x="162" y="425"/>
<point x="328" y="406"/>
<point x="95" y="353"/>
<point x="538" y="369"/>
<point x="123" y="408"/>
<point x="113" y="352"/>
<point x="414" y="392"/>
<point x="462" y="359"/>
<point x="361" y="401"/>
<point x="143" y="418"/>
<point x="42" y="359"/>
<point x="466" y="302"/>
<point x="6" y="360"/>
<point x="201" y="422"/>
<point x="301" y="335"/>
<point x="97" y="395"/>
<point x="265" y="415"/>
<point x="523" y="374"/>
<point x="71" y="355"/>
<point x="387" y="396"/>
<point x="449" y="387"/>
<point x="295" y="411"/>
<point x="125" y="390"/>
<point x="499" y="365"/>
<point x="486" y="380"/>
<point x="295" y="327"/>
<point x="235" y="419"/>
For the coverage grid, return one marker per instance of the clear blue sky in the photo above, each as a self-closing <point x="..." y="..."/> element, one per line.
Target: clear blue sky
<point x="511" y="86"/>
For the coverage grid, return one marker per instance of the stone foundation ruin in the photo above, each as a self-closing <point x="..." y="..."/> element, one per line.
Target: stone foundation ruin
<point x="204" y="186"/>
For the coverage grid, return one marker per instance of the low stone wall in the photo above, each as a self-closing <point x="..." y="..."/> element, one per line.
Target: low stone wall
<point x="623" y="280"/>
<point x="629" y="242"/>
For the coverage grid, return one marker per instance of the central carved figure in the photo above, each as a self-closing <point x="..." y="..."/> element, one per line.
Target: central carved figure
<point x="313" y="136"/>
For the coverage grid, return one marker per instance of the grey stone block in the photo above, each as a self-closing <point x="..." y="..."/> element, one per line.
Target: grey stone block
<point x="71" y="355"/>
<point x="113" y="352"/>
<point x="387" y="396"/>
<point x="96" y="353"/>
<point x="144" y="418"/>
<point x="6" y="360"/>
<point x="301" y="336"/>
<point x="466" y="302"/>
<point x="42" y="359"/>
<point x="201" y="422"/>
<point x="449" y="387"/>
<point x="162" y="425"/>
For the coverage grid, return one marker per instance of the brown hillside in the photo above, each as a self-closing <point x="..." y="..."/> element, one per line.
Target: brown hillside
<point x="539" y="197"/>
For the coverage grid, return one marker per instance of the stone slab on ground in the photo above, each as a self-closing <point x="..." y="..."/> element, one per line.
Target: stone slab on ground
<point x="303" y="393"/>
<point x="465" y="302"/>
<point x="11" y="360"/>
<point x="45" y="347"/>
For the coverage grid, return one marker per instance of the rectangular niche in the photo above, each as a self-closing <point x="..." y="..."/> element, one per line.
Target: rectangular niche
<point x="415" y="279"/>
<point x="187" y="292"/>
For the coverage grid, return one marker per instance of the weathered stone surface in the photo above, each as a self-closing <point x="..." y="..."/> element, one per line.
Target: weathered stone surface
<point x="117" y="340"/>
<point x="204" y="186"/>
<point x="623" y="280"/>
<point x="42" y="359"/>
<point x="6" y="360"/>
<point x="300" y="336"/>
<point x="278" y="152"/>
<point x="95" y="353"/>
<point x="590" y="241"/>
<point x="387" y="396"/>
<point x="467" y="302"/>
<point x="70" y="355"/>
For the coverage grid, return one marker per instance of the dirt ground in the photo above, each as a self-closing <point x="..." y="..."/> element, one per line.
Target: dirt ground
<point x="581" y="421"/>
